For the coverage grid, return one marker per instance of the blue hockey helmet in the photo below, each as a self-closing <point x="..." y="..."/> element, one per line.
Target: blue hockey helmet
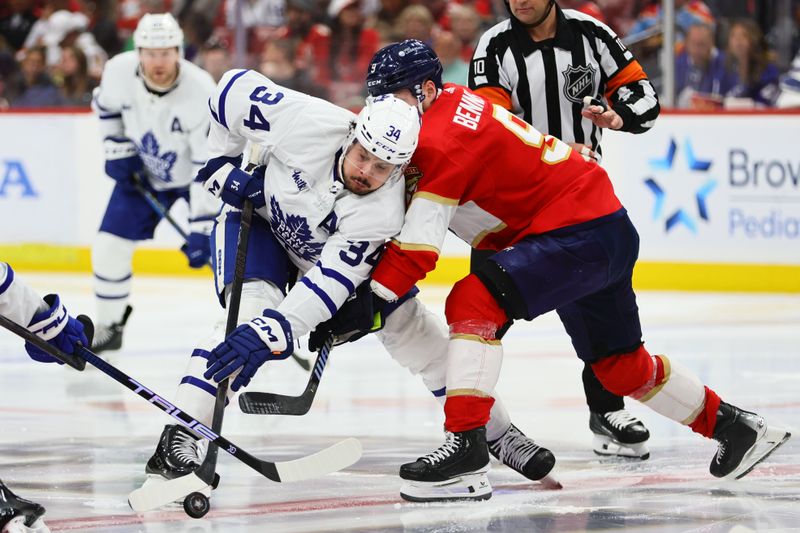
<point x="404" y="65"/>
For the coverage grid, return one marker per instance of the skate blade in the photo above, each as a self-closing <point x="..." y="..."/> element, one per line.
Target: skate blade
<point x="603" y="445"/>
<point x="157" y="492"/>
<point x="464" y="488"/>
<point x="551" y="483"/>
<point x="772" y="439"/>
<point x="17" y="525"/>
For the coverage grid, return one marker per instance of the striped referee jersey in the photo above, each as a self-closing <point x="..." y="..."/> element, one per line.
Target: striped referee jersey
<point x="544" y="82"/>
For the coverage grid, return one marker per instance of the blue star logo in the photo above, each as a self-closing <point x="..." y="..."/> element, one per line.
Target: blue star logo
<point x="681" y="215"/>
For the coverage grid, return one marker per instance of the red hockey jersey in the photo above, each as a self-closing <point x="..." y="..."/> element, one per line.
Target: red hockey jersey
<point x="492" y="179"/>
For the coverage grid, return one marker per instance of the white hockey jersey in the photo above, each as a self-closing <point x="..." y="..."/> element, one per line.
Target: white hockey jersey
<point x="169" y="130"/>
<point x="18" y="302"/>
<point x="333" y="236"/>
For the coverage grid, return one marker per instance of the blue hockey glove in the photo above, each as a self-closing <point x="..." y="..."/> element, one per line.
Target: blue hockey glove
<point x="197" y="249"/>
<point x="198" y="245"/>
<point x="122" y="158"/>
<point x="224" y="179"/>
<point x="56" y="327"/>
<point x="249" y="346"/>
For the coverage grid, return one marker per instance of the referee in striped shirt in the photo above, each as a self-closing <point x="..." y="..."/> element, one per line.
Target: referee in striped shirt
<point x="541" y="64"/>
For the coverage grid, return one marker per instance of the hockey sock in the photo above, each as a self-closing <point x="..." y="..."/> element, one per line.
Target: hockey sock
<point x="112" y="257"/>
<point x="666" y="387"/>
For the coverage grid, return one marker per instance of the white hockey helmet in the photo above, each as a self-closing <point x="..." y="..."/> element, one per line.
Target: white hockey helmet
<point x="388" y="128"/>
<point x="158" y="30"/>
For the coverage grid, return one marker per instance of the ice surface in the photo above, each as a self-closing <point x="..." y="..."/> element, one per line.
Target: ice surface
<point x="77" y="443"/>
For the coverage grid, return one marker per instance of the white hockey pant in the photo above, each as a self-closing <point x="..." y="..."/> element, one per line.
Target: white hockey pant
<point x="418" y="340"/>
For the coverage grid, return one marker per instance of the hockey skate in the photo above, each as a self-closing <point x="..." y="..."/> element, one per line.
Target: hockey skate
<point x="455" y="471"/>
<point x="515" y="450"/>
<point x="109" y="337"/>
<point x="744" y="439"/>
<point x="619" y="433"/>
<point x="178" y="453"/>
<point x="18" y="515"/>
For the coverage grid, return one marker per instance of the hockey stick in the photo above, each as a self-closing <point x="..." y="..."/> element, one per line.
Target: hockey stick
<point x="267" y="403"/>
<point x="157" y="206"/>
<point x="332" y="459"/>
<point x="146" y="498"/>
<point x="72" y="360"/>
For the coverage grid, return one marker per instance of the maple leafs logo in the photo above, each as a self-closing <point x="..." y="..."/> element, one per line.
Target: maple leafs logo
<point x="293" y="231"/>
<point x="158" y="165"/>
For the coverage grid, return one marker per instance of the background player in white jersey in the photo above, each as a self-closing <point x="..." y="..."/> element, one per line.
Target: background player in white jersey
<point x="48" y="318"/>
<point x="152" y="109"/>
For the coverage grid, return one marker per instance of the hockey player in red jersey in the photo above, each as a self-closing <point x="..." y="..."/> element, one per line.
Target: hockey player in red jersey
<point x="564" y="242"/>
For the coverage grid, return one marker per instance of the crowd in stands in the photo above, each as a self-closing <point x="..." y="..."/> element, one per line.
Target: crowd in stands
<point x="52" y="52"/>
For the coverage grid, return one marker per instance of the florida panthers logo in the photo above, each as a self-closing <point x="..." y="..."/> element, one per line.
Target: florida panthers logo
<point x="579" y="82"/>
<point x="158" y="165"/>
<point x="293" y="232"/>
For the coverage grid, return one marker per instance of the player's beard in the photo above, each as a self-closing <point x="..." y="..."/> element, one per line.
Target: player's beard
<point x="357" y="185"/>
<point x="161" y="87"/>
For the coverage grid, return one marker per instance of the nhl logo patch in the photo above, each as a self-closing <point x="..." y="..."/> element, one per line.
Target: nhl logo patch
<point x="579" y="82"/>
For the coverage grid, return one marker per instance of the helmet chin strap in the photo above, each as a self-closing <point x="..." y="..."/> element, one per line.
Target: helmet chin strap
<point x="541" y="19"/>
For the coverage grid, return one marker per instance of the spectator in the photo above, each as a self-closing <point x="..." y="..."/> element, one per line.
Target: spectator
<point x="339" y="60"/>
<point x="104" y="26"/>
<point x="278" y="64"/>
<point x="385" y="20"/>
<point x="687" y="13"/>
<point x="416" y="22"/>
<point x="299" y="21"/>
<point x="584" y="6"/>
<point x="448" y="48"/>
<point x="465" y="23"/>
<point x="789" y="96"/>
<point x="51" y="29"/>
<point x="701" y="79"/>
<point x="33" y="87"/>
<point x="72" y="73"/>
<point x="198" y="31"/>
<point x="17" y="22"/>
<point x="747" y="58"/>
<point x="215" y="59"/>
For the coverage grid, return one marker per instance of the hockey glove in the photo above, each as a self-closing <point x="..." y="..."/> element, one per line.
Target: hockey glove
<point x="56" y="327"/>
<point x="122" y="159"/>
<point x="224" y="179"/>
<point x="249" y="346"/>
<point x="198" y="245"/>
<point x="360" y="315"/>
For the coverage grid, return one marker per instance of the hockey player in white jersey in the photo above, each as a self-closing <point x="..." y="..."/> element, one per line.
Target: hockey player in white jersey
<point x="48" y="318"/>
<point x="327" y="192"/>
<point x="152" y="109"/>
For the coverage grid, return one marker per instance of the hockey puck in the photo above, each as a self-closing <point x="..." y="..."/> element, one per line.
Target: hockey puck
<point x="196" y="505"/>
<point x="588" y="100"/>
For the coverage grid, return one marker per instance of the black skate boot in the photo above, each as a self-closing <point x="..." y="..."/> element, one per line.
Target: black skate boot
<point x="16" y="511"/>
<point x="110" y="337"/>
<point x="619" y="433"/>
<point x="177" y="454"/>
<point x="455" y="471"/>
<point x="514" y="449"/>
<point x="744" y="441"/>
